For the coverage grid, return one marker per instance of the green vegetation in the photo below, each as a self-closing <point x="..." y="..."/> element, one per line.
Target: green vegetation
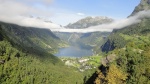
<point x="116" y="40"/>
<point x="131" y="46"/>
<point x="144" y="5"/>
<point x="86" y="65"/>
<point x="85" y="40"/>
<point x="141" y="28"/>
<point x="131" y="65"/>
<point x="82" y="63"/>
<point x="30" y="39"/>
<point x="25" y="57"/>
<point x="93" y="39"/>
<point x="95" y="60"/>
<point x="17" y="67"/>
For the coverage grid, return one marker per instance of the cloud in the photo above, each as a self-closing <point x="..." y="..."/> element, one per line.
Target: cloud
<point x="80" y="14"/>
<point x="33" y="1"/>
<point x="13" y="11"/>
<point x="17" y="12"/>
<point x="114" y="25"/>
<point x="66" y="18"/>
<point x="15" y="7"/>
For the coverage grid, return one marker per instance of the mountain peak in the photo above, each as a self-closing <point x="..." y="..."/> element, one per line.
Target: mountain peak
<point x="144" y="5"/>
<point x="90" y="21"/>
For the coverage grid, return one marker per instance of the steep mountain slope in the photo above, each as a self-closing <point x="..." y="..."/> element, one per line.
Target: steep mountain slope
<point x="30" y="38"/>
<point x="25" y="57"/>
<point x="141" y="28"/>
<point x="144" y="5"/>
<point x="127" y="65"/>
<point x="86" y="39"/>
<point x="17" y="67"/>
<point x="90" y="21"/>
<point x="35" y="41"/>
<point x="127" y="59"/>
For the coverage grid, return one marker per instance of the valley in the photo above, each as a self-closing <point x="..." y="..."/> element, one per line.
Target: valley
<point x="91" y="50"/>
<point x="83" y="51"/>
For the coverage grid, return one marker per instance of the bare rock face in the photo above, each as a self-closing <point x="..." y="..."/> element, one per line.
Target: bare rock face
<point x="108" y="59"/>
<point x="90" y="21"/>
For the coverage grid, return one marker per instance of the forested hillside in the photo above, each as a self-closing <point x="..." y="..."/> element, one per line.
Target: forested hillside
<point x="131" y="64"/>
<point x="27" y="53"/>
<point x="30" y="38"/>
<point x="24" y="57"/>
<point x="128" y="55"/>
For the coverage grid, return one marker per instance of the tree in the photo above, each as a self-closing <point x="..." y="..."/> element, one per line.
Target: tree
<point x="100" y="79"/>
<point x="116" y="75"/>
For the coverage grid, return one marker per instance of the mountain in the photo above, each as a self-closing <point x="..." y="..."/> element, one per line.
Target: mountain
<point x="138" y="29"/>
<point x="90" y="21"/>
<point x="27" y="37"/>
<point x="127" y="58"/>
<point x="86" y="40"/>
<point x="35" y="41"/>
<point x="25" y="57"/>
<point x="144" y="5"/>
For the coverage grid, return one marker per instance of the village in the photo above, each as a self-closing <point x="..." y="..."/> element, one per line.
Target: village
<point x="82" y="63"/>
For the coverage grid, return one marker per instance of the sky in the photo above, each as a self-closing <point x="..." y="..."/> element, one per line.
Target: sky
<point x="53" y="13"/>
<point x="117" y="24"/>
<point x="77" y="9"/>
<point x="64" y="12"/>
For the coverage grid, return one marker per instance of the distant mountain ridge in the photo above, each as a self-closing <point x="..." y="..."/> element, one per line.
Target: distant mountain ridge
<point x="90" y="21"/>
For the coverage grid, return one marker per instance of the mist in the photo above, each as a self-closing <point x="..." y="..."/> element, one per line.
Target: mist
<point x="118" y="24"/>
<point x="18" y="12"/>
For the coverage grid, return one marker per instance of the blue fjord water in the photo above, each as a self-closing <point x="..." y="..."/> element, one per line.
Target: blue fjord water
<point x="73" y="51"/>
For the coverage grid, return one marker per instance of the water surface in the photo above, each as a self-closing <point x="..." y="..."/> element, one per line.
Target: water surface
<point x="73" y="51"/>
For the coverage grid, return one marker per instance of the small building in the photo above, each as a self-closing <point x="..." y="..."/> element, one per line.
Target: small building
<point x="83" y="60"/>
